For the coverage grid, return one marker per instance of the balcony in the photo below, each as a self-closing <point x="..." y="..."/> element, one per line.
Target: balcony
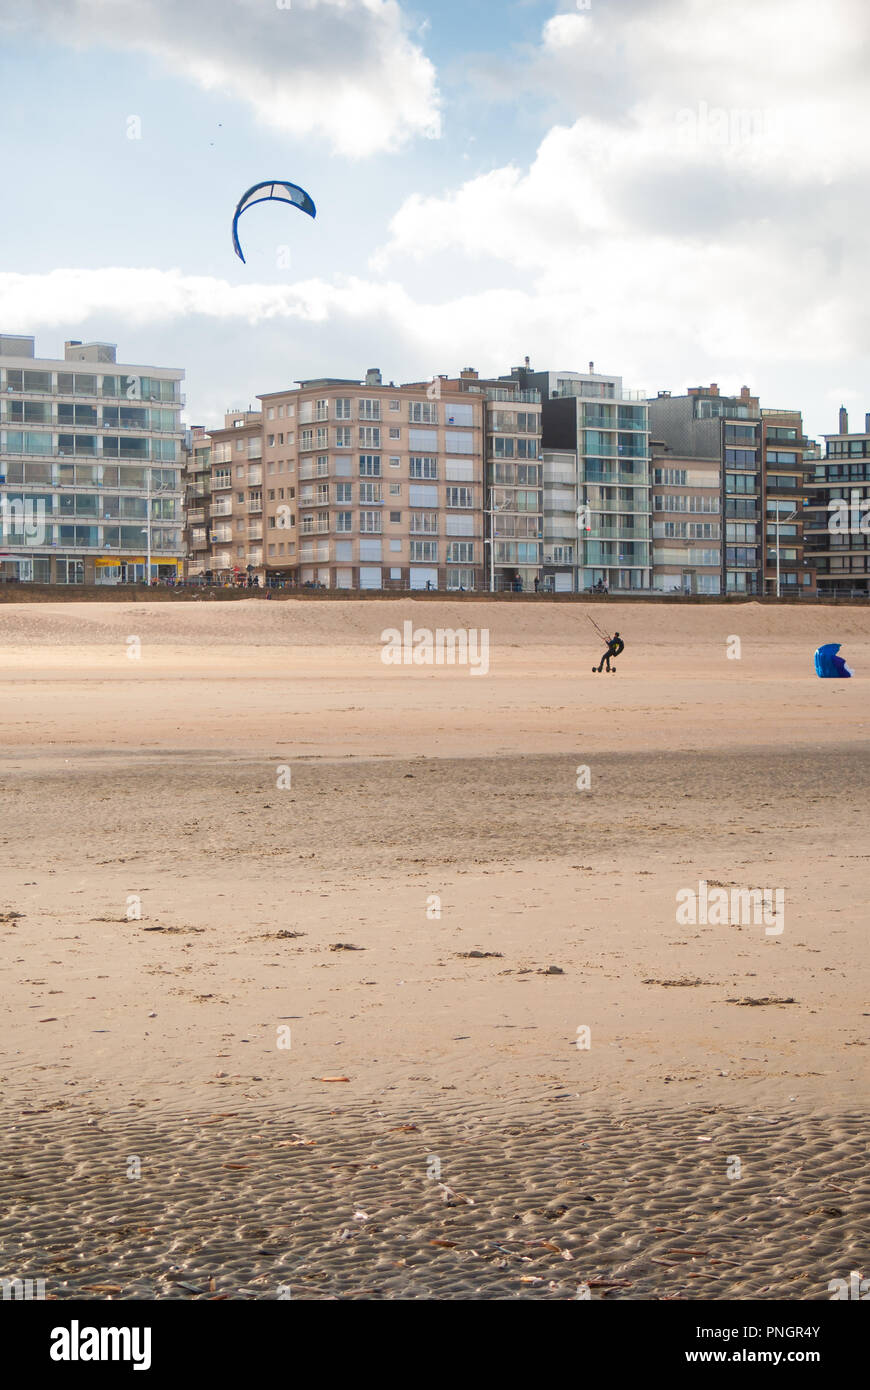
<point x="622" y="478"/>
<point x="496" y="393"/>
<point x="221" y="509"/>
<point x="196" y="516"/>
<point x="255" y="477"/>
<point x="255" y="508"/>
<point x="255" y="533"/>
<point x="220" y="482"/>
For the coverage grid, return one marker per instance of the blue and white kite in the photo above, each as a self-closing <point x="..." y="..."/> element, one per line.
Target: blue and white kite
<point x="271" y="191"/>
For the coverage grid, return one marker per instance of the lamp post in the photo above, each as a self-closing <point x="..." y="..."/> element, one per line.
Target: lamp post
<point x="491" y="512"/>
<point x="148" y="525"/>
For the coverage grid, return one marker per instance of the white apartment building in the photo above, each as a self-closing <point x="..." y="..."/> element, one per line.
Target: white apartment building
<point x="90" y="466"/>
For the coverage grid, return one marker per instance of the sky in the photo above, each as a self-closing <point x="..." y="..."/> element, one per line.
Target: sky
<point x="677" y="190"/>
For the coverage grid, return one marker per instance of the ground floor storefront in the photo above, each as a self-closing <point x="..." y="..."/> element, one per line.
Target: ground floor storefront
<point x="88" y="569"/>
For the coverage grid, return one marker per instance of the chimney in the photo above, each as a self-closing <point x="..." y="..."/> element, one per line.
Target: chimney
<point x="528" y="364"/>
<point x="591" y="368"/>
<point x="745" y="393"/>
<point x="468" y="374"/>
<point x="844" y="420"/>
<point x="867" y="423"/>
<point x="373" y="377"/>
<point x="714" y="388"/>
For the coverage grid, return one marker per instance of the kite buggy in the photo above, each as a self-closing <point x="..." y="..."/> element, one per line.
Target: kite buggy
<point x="615" y="648"/>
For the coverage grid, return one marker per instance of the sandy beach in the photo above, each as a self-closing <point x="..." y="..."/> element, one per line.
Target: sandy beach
<point x="376" y="971"/>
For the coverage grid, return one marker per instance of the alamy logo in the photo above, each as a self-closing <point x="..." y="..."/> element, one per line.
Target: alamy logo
<point x="76" y="1343"/>
<point x="853" y="1288"/>
<point x="444" y="647"/>
<point x="23" y="520"/>
<point x="27" y="1290"/>
<point x="850" y="518"/>
<point x="741" y="907"/>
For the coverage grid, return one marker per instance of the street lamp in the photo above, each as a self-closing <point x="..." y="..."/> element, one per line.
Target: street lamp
<point x="493" y="511"/>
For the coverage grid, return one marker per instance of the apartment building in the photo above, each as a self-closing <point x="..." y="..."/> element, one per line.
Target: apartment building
<point x="686" y="520"/>
<point x="595" y="437"/>
<point x="836" y="529"/>
<point x="565" y="524"/>
<point x="512" y="497"/>
<point x="90" y="466"/>
<point x="373" y="486"/>
<point x="698" y="429"/>
<point x="785" y="451"/>
<point x="235" y="510"/>
<point x="197" y="502"/>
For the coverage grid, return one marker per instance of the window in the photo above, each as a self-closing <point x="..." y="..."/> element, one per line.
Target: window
<point x="464" y="444"/>
<point x="740" y="458"/>
<point x="395" y="516"/>
<point x="424" y="523"/>
<point x="343" y="437"/>
<point x="344" y="521"/>
<point x="395" y="489"/>
<point x="395" y="405"/>
<point x="342" y="408"/>
<point x="370" y="521"/>
<point x="395" y="433"/>
<point x="423" y="441"/>
<point x="741" y="557"/>
<point x="369" y="437"/>
<point x="370" y="493"/>
<point x="463" y="497"/>
<point x="370" y="465"/>
<point x="343" y="492"/>
<point x="424" y="466"/>
<point x="671" y="477"/>
<point x="740" y="482"/>
<point x="370" y="410"/>
<point x="423" y="412"/>
<point x="460" y="552"/>
<point x="460" y="579"/>
<point x="395" y="463"/>
<point x="419" y="496"/>
<point x="464" y="415"/>
<point x="424" y="550"/>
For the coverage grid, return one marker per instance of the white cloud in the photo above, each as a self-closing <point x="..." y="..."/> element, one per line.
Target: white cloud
<point x="722" y="203"/>
<point x="345" y="70"/>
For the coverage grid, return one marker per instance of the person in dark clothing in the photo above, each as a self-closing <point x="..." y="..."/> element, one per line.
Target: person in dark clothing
<point x="615" y="648"/>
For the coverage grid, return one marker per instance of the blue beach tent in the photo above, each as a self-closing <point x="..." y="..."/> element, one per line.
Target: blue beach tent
<point x="830" y="666"/>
